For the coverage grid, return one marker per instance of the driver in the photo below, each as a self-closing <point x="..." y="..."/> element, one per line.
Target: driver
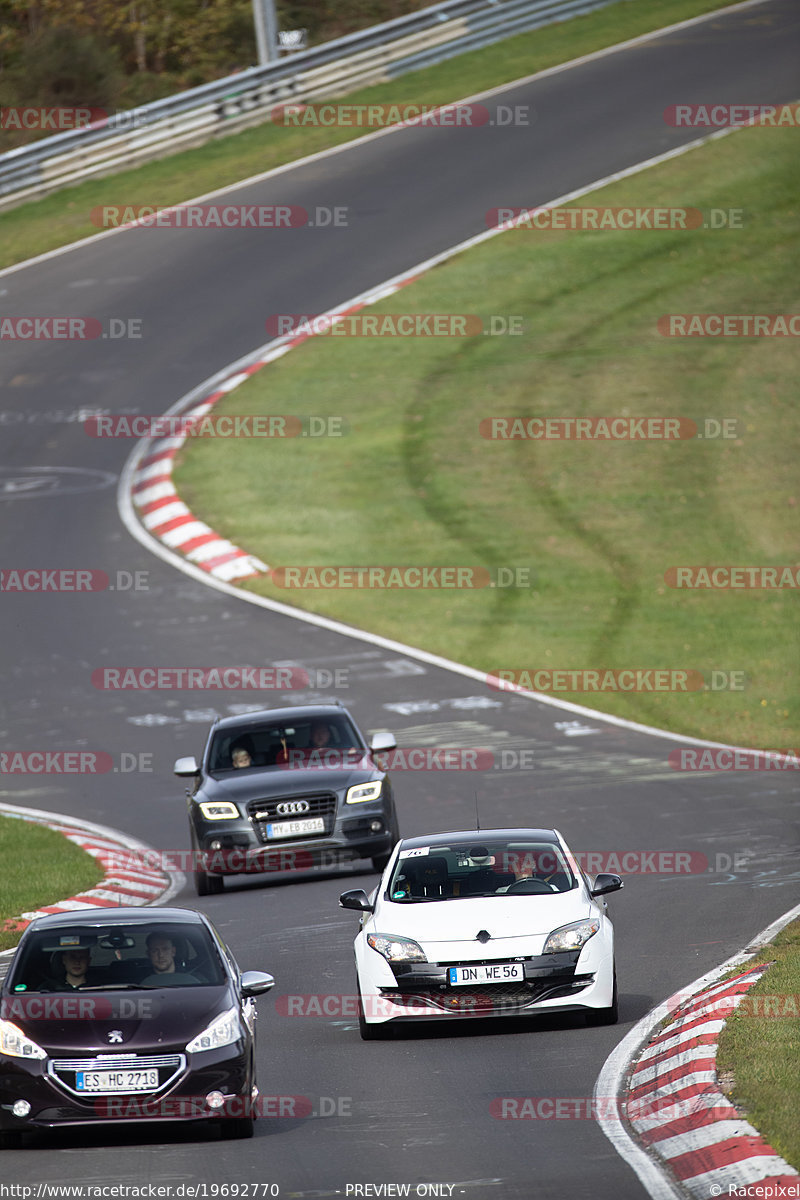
<point x="161" y="951"/>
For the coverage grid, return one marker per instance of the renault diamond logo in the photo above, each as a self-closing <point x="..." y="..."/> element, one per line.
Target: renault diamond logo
<point x="115" y="1035"/>
<point x="483" y="936"/>
<point x="290" y="808"/>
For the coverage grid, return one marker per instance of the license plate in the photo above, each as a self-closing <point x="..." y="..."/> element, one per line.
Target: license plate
<point x="283" y="829"/>
<point x="116" y="1081"/>
<point x="491" y="973"/>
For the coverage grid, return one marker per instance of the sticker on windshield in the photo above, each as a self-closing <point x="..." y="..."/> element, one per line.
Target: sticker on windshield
<point x="419" y="852"/>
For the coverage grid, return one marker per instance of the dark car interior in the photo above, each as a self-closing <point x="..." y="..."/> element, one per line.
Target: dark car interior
<point x="272" y="745"/>
<point x="124" y="956"/>
<point x="452" y="872"/>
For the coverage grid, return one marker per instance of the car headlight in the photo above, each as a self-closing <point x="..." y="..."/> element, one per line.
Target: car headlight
<point x="220" y="810"/>
<point x="223" y="1031"/>
<point x="364" y="791"/>
<point x="396" y="949"/>
<point x="15" y="1044"/>
<point x="571" y="937"/>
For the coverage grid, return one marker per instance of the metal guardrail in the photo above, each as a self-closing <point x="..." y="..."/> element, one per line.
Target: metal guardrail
<point x="375" y="55"/>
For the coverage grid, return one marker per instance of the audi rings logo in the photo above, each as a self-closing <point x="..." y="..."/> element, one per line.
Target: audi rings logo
<point x="291" y="808"/>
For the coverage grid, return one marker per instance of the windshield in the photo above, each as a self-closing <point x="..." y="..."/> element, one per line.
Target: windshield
<point x="320" y="741"/>
<point x="508" y="868"/>
<point x="81" y="957"/>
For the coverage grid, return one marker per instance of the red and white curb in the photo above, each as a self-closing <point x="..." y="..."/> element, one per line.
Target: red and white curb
<point x="161" y="510"/>
<point x="122" y="884"/>
<point x="672" y="1123"/>
<point x="675" y="1105"/>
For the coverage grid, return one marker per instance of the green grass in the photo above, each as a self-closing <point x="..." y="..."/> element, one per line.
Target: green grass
<point x="761" y="1053"/>
<point x="597" y="524"/>
<point x="65" y="216"/>
<point x="40" y="867"/>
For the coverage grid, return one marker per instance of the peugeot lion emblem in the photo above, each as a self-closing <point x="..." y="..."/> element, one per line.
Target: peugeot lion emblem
<point x="115" y="1035"/>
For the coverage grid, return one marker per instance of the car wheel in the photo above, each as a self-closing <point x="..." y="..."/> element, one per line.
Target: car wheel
<point x="204" y="884"/>
<point x="605" y="1016"/>
<point x="237" y="1127"/>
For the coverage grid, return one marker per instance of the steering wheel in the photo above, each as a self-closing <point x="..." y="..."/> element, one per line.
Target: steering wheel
<point x="533" y="886"/>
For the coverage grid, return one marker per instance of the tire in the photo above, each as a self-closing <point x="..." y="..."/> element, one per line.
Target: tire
<point x="381" y="861"/>
<point x="605" y="1016"/>
<point x="204" y="884"/>
<point x="236" y="1127"/>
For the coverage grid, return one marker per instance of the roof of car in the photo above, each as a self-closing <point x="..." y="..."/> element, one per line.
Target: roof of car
<point x="267" y="715"/>
<point x="480" y="835"/>
<point x="117" y="916"/>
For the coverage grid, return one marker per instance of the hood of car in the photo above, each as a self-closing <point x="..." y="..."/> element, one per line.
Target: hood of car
<point x="133" y="1020"/>
<point x="503" y="917"/>
<point x="242" y="786"/>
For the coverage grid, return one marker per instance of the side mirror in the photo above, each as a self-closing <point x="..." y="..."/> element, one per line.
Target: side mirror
<point x="605" y="883"/>
<point x="255" y="983"/>
<point x="356" y="899"/>
<point x="383" y="741"/>
<point x="186" y="767"/>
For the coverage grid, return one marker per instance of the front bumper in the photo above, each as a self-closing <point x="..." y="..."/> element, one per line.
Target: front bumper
<point x="53" y="1102"/>
<point x="575" y="981"/>
<point x="235" y="848"/>
<point x="425" y="989"/>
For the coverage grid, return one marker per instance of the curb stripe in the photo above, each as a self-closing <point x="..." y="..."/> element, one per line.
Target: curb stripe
<point x="709" y="1144"/>
<point x="132" y="887"/>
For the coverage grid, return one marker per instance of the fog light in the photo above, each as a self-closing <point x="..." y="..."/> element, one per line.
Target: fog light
<point x="21" y="1108"/>
<point x="375" y="826"/>
<point x="215" y="845"/>
<point x="215" y="1099"/>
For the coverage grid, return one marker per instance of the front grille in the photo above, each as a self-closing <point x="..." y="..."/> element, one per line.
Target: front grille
<point x="320" y="804"/>
<point x="497" y="997"/>
<point x="64" y="1071"/>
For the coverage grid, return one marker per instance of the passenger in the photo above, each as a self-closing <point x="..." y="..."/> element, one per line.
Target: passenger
<point x="72" y="969"/>
<point x="242" y="753"/>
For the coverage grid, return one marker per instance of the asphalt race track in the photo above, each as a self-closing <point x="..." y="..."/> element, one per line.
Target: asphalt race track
<point x="414" y="1110"/>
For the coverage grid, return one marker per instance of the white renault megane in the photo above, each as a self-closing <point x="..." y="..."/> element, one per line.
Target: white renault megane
<point x="483" y="923"/>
